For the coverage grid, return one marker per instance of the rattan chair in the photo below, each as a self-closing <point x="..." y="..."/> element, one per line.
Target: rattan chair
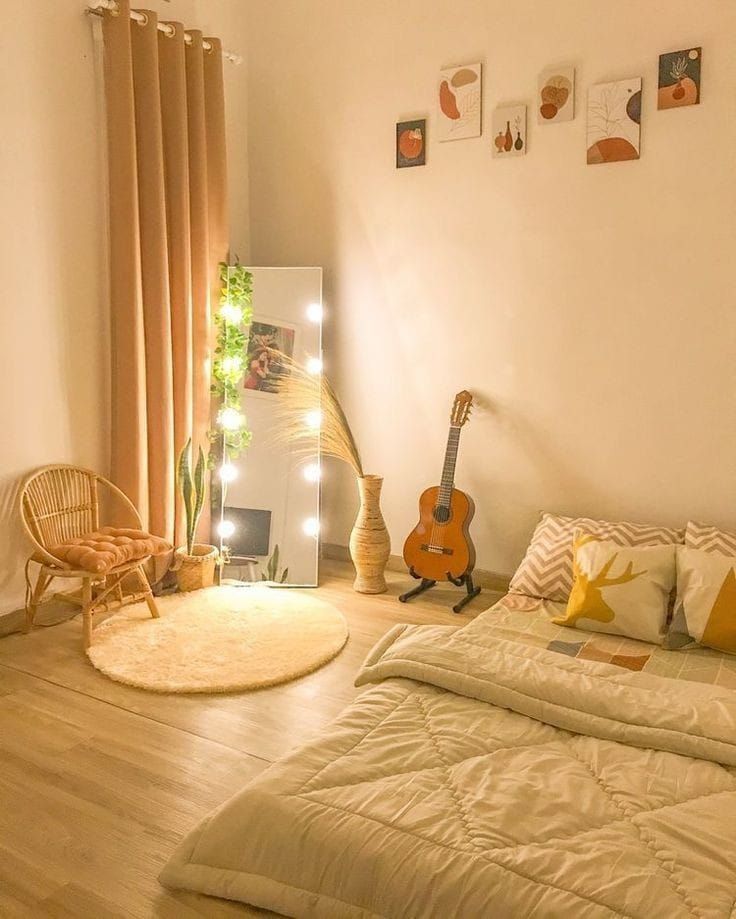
<point x="59" y="503"/>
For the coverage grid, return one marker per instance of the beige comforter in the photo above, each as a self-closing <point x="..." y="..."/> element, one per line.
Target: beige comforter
<point x="483" y="778"/>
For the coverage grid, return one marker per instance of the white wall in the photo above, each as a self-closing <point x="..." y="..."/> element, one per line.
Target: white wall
<point x="53" y="335"/>
<point x="590" y="307"/>
<point x="53" y="316"/>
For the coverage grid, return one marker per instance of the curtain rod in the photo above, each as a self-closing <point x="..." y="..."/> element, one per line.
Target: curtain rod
<point x="102" y="6"/>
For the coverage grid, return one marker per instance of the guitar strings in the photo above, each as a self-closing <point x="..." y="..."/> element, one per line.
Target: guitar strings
<point x="453" y="442"/>
<point x="450" y="449"/>
<point x="433" y="531"/>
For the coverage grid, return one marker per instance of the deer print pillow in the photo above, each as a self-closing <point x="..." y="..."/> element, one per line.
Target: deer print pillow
<point x="619" y="589"/>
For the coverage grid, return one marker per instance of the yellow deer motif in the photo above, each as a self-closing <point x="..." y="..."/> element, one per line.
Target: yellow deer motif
<point x="586" y="598"/>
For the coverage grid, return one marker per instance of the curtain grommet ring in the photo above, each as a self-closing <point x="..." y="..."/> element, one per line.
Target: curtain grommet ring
<point x="144" y="20"/>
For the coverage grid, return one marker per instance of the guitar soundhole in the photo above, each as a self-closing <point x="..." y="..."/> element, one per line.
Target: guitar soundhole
<point x="441" y="514"/>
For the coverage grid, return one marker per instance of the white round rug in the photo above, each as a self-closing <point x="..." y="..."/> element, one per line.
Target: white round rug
<point x="219" y="640"/>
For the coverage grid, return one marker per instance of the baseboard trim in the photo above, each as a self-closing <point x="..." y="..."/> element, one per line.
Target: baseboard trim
<point x="490" y="580"/>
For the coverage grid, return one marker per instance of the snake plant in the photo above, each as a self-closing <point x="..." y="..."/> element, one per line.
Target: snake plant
<point x="192" y="488"/>
<point x="272" y="569"/>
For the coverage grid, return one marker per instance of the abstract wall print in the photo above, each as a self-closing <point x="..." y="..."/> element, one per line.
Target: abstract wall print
<point x="268" y="343"/>
<point x="556" y="94"/>
<point x="411" y="143"/>
<point x="614" y="121"/>
<point x="679" y="78"/>
<point x="509" y="131"/>
<point x="459" y="102"/>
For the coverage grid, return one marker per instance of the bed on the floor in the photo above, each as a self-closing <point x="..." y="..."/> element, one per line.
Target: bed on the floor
<point x="509" y="768"/>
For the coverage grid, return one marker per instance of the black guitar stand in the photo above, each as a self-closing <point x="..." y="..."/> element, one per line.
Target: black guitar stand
<point x="465" y="579"/>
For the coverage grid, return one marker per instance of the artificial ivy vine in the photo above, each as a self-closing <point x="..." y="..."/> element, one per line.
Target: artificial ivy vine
<point x="232" y="320"/>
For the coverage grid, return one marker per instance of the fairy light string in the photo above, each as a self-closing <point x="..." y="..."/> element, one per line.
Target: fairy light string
<point x="232" y="320"/>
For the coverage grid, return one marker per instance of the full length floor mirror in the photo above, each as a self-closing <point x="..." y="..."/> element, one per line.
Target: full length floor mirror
<point x="270" y="510"/>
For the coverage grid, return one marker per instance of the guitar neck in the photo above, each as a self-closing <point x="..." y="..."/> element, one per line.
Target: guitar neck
<point x="448" y="470"/>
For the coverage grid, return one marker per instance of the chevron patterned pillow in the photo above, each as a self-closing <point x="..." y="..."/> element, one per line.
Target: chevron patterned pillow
<point x="710" y="539"/>
<point x="546" y="570"/>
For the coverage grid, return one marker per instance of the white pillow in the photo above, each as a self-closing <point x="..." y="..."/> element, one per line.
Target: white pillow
<point x="706" y="597"/>
<point x="621" y="590"/>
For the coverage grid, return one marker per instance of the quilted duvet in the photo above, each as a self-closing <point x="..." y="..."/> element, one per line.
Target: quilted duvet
<point x="485" y="778"/>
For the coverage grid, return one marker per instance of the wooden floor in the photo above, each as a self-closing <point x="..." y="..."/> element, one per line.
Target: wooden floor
<point x="100" y="781"/>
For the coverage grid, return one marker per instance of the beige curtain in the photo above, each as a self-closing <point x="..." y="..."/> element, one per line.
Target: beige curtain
<point x="168" y="231"/>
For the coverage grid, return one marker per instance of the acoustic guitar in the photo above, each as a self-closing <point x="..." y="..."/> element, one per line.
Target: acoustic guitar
<point x="440" y="547"/>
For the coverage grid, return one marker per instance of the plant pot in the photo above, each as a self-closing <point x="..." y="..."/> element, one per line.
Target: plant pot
<point x="370" y="545"/>
<point x="195" y="571"/>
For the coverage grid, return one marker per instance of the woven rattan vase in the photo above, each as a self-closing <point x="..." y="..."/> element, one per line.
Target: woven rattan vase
<point x="195" y="571"/>
<point x="370" y="545"/>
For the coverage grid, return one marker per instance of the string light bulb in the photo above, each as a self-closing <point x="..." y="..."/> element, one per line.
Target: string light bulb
<point x="232" y="364"/>
<point x="228" y="472"/>
<point x="231" y="313"/>
<point x="311" y="527"/>
<point x="313" y="419"/>
<point x="314" y="365"/>
<point x="230" y="419"/>
<point x="225" y="528"/>
<point x="315" y="312"/>
<point x="312" y="472"/>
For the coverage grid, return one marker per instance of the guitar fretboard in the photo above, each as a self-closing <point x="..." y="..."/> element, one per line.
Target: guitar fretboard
<point x="448" y="470"/>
